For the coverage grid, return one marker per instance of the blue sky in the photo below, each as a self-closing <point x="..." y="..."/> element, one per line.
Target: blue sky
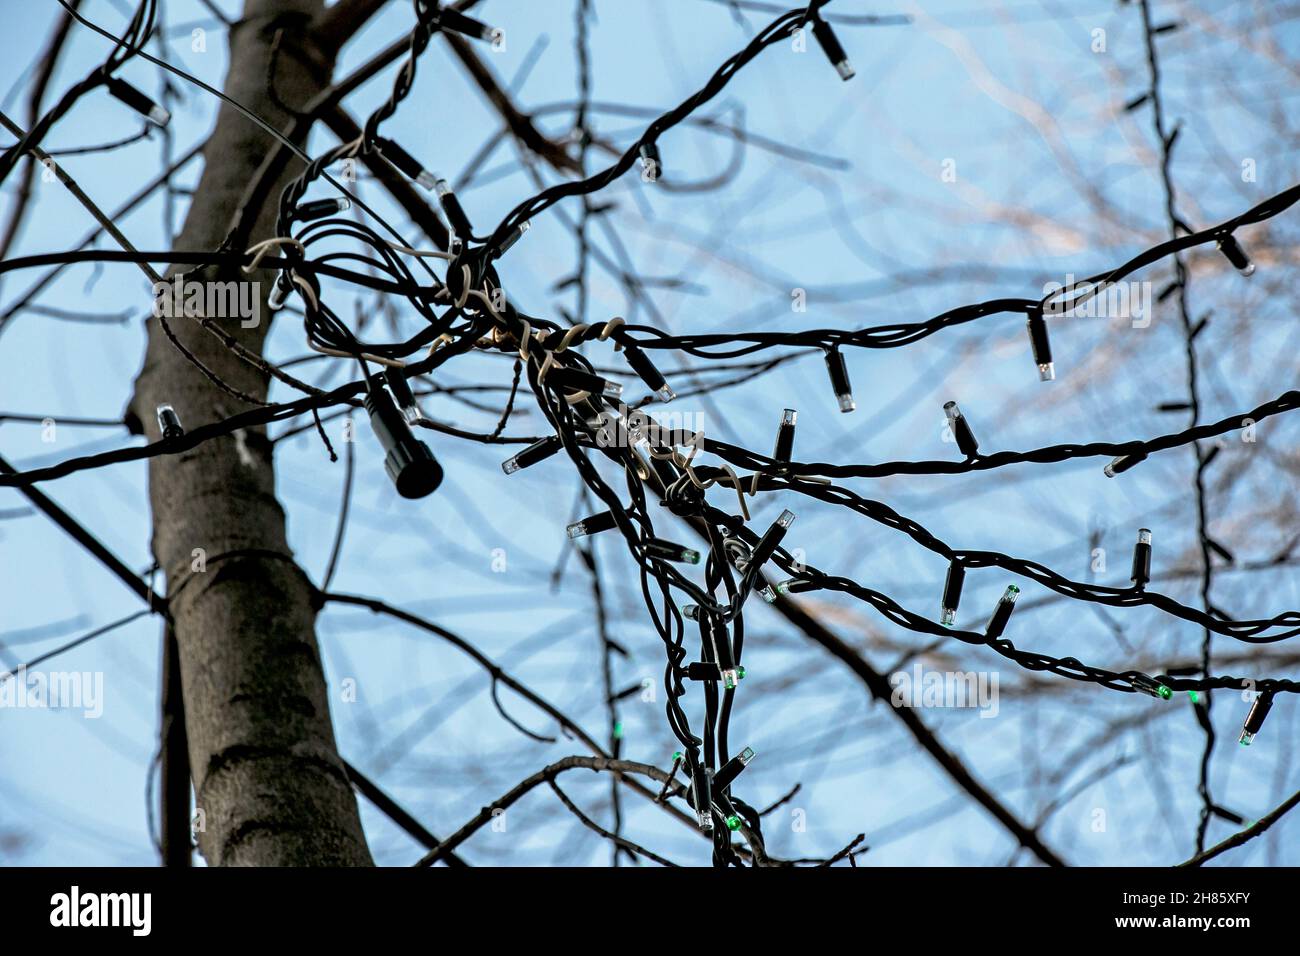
<point x="1052" y="178"/>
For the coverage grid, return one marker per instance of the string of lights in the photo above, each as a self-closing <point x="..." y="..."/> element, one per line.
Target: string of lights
<point x="695" y="596"/>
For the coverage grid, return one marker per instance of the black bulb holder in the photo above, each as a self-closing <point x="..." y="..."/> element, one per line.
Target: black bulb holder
<point x="409" y="462"/>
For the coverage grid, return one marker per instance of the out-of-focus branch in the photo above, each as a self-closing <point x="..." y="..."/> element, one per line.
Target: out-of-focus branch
<point x="394" y="812"/>
<point x="879" y="687"/>
<point x="519" y="123"/>
<point x="71" y="185"/>
<point x="173" y="762"/>
<point x="1246" y="835"/>
<point x="545" y="775"/>
<point x="24" y="301"/>
<point x="380" y="607"/>
<point x="398" y="186"/>
<point x="619" y="841"/>
<point x="44" y="72"/>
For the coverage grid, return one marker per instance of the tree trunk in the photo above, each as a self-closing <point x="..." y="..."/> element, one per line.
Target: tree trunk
<point x="267" y="774"/>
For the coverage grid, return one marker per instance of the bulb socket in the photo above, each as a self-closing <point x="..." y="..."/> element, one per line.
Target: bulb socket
<point x="785" y="435"/>
<point x="839" y="373"/>
<point x="409" y="462"/>
<point x="952" y="592"/>
<point x="1002" y="613"/>
<point x="961" y="430"/>
<point x="1236" y="255"/>
<point x="653" y="378"/>
<point x="169" y="423"/>
<point x="1041" y="345"/>
<point x="1141" y="574"/>
<point x="830" y="45"/>
<point x="1255" y="717"/>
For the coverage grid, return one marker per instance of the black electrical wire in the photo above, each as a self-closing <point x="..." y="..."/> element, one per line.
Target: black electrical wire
<point x="466" y="308"/>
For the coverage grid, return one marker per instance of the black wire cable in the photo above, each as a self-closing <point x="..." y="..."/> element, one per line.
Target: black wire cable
<point x="467" y="309"/>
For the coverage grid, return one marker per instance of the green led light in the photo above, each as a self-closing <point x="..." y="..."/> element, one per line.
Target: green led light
<point x="733" y="823"/>
<point x="677" y="756"/>
<point x="740" y="672"/>
<point x="1193" y="695"/>
<point x="618" y="730"/>
<point x="1148" y="686"/>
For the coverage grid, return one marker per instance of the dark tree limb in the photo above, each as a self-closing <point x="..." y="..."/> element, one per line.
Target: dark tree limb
<point x="619" y="841"/>
<point x="878" y="686"/>
<point x="545" y="775"/>
<point x="174" y="769"/>
<point x="519" y="123"/>
<point x="49" y="59"/>
<point x="1246" y="835"/>
<point x="497" y="674"/>
<point x="391" y="809"/>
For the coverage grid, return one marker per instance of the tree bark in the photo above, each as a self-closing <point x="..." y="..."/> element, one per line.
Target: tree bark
<point x="267" y="774"/>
